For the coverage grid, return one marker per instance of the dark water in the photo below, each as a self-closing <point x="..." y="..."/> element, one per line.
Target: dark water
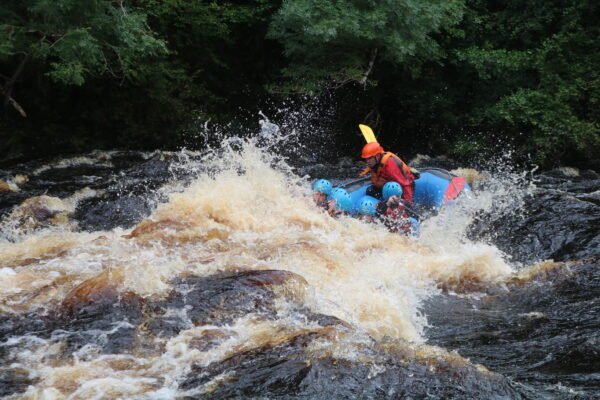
<point x="543" y="332"/>
<point x="535" y="335"/>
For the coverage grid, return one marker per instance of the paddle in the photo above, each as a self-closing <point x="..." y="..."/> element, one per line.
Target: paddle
<point x="369" y="136"/>
<point x="411" y="210"/>
<point x="345" y="185"/>
<point x="367" y="133"/>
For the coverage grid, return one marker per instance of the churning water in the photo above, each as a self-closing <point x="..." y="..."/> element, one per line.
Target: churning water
<point x="211" y="275"/>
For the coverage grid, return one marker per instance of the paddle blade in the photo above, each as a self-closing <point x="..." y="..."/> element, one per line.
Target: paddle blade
<point x="367" y="133"/>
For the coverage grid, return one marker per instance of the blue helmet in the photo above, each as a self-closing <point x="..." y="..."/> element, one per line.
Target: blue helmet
<point x="323" y="186"/>
<point x="367" y="205"/>
<point x="391" y="189"/>
<point x="334" y="191"/>
<point x="343" y="201"/>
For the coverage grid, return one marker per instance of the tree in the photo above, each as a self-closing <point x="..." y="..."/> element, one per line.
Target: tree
<point x="221" y="47"/>
<point x="340" y="41"/>
<point x="69" y="41"/>
<point x="536" y="67"/>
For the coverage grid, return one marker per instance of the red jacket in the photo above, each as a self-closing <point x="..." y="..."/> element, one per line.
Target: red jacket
<point x="392" y="168"/>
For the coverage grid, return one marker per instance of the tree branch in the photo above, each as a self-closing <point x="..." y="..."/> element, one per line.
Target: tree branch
<point x="363" y="79"/>
<point x="13" y="102"/>
<point x="7" y="89"/>
<point x="344" y="83"/>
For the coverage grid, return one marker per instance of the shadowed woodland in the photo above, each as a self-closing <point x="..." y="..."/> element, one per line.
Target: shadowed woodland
<point x="455" y="77"/>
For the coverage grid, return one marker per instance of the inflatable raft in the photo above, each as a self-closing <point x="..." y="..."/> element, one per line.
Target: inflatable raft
<point x="434" y="188"/>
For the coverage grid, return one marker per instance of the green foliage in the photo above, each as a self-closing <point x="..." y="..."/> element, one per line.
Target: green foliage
<point x="74" y="40"/>
<point x="220" y="46"/>
<point x="540" y="62"/>
<point x="429" y="75"/>
<point x="103" y="73"/>
<point x="337" y="40"/>
<point x="86" y="72"/>
<point x="493" y="63"/>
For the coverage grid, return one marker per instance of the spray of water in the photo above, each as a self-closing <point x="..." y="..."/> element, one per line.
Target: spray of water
<point x="241" y="207"/>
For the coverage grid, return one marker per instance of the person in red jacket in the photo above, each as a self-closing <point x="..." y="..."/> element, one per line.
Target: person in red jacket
<point x="387" y="167"/>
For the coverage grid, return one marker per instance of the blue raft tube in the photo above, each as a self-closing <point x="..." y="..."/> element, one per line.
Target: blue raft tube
<point x="434" y="188"/>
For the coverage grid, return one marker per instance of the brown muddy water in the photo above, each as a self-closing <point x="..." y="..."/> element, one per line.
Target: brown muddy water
<point x="212" y="275"/>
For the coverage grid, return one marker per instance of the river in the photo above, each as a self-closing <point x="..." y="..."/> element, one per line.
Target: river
<point x="154" y="275"/>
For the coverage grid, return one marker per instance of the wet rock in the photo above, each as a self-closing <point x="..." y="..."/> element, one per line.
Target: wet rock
<point x="5" y="187"/>
<point x="564" y="172"/>
<point x="92" y="295"/>
<point x="559" y="224"/>
<point x="111" y="212"/>
<point x="14" y="381"/>
<point x="126" y="177"/>
<point x="343" y="379"/>
<point x="589" y="174"/>
<point x="420" y="160"/>
<point x="267" y="371"/>
<point x="18" y="325"/>
<point x="149" y="231"/>
<point x="348" y="162"/>
<point x="209" y="338"/>
<point x="471" y="175"/>
<point x="96" y="312"/>
<point x="424" y="161"/>
<point x="9" y="200"/>
<point x="287" y="370"/>
<point x="222" y="298"/>
<point x="151" y="172"/>
<point x="125" y="159"/>
<point x="545" y="271"/>
<point x="40" y="211"/>
<point x="97" y="295"/>
<point x="63" y="181"/>
<point x="542" y="330"/>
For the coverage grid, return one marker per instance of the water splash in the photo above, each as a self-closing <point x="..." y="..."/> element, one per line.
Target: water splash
<point x="350" y="289"/>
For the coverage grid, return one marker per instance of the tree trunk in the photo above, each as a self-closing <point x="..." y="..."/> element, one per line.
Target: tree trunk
<point x="13" y="102"/>
<point x="7" y="89"/>
<point x="363" y="79"/>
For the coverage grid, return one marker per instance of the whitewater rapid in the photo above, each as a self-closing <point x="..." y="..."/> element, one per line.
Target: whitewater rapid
<point x="243" y="211"/>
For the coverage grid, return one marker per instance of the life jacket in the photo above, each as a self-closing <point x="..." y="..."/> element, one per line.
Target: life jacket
<point x="396" y="219"/>
<point x="376" y="178"/>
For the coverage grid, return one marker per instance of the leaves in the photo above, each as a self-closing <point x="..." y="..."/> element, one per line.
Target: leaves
<point x="538" y="65"/>
<point x="78" y="39"/>
<point x="333" y="40"/>
<point x="491" y="63"/>
<point x="433" y="74"/>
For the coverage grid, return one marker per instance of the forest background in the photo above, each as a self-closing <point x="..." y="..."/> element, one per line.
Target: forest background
<point x="456" y="77"/>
